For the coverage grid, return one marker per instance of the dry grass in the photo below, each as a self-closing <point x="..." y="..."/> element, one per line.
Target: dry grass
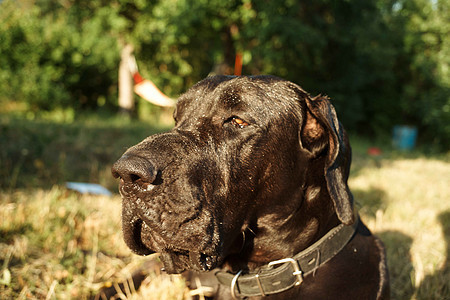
<point x="56" y="244"/>
<point x="406" y="202"/>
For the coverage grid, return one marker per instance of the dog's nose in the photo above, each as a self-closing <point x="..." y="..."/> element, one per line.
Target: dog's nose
<point x="131" y="168"/>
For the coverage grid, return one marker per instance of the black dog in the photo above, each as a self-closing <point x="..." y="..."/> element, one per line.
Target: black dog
<point x="252" y="181"/>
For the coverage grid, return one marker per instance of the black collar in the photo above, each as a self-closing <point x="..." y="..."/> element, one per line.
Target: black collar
<point x="281" y="275"/>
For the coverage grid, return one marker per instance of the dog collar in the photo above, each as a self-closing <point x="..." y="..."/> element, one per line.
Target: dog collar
<point x="281" y="275"/>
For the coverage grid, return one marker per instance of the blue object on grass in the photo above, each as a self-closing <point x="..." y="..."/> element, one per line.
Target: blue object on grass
<point x="404" y="137"/>
<point x="88" y="188"/>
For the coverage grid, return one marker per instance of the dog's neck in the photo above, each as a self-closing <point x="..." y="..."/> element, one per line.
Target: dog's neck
<point x="280" y="275"/>
<point x="289" y="233"/>
<point x="286" y="223"/>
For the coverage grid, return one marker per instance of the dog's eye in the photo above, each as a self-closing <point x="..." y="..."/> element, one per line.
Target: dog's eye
<point x="238" y="122"/>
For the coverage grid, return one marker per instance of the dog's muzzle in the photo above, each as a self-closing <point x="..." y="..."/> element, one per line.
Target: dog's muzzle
<point x="144" y="230"/>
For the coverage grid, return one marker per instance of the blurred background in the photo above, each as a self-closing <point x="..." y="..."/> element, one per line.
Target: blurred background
<point x="384" y="63"/>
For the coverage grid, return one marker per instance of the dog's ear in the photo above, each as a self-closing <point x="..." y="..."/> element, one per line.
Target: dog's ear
<point x="322" y="133"/>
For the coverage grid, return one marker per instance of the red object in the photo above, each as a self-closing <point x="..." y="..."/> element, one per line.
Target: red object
<point x="374" y="151"/>
<point x="238" y="64"/>
<point x="147" y="89"/>
<point x="137" y="78"/>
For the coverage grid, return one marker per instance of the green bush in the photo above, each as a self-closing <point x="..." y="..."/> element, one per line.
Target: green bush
<point x="48" y="62"/>
<point x="383" y="63"/>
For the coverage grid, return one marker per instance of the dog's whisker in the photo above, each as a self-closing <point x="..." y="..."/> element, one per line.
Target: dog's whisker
<point x="249" y="229"/>
<point x="243" y="241"/>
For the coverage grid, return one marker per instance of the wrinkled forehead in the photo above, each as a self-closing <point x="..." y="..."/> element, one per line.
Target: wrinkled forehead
<point x="261" y="97"/>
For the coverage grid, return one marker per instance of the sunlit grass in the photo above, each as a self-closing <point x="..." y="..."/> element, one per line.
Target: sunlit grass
<point x="57" y="242"/>
<point x="411" y="214"/>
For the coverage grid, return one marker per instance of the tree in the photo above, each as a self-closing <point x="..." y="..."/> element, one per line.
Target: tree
<point x="126" y="99"/>
<point x="425" y="67"/>
<point x="382" y="62"/>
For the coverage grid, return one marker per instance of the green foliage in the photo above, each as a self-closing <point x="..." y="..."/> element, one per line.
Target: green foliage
<point x="425" y="91"/>
<point x="322" y="46"/>
<point x="383" y="62"/>
<point x="49" y="62"/>
<point x="184" y="40"/>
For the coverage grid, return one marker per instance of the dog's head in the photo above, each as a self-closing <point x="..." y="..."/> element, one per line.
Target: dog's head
<point x="254" y="153"/>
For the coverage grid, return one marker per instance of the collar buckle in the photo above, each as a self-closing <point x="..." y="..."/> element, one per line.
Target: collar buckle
<point x="233" y="285"/>
<point x="297" y="272"/>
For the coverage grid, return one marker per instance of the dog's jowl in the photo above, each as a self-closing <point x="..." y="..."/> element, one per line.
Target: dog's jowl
<point x="251" y="186"/>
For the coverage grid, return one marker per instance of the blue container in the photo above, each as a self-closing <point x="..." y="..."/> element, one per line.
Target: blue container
<point x="404" y="137"/>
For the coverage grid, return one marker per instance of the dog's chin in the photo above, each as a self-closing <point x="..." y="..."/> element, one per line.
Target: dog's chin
<point x="133" y="231"/>
<point x="178" y="261"/>
<point x="137" y="236"/>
